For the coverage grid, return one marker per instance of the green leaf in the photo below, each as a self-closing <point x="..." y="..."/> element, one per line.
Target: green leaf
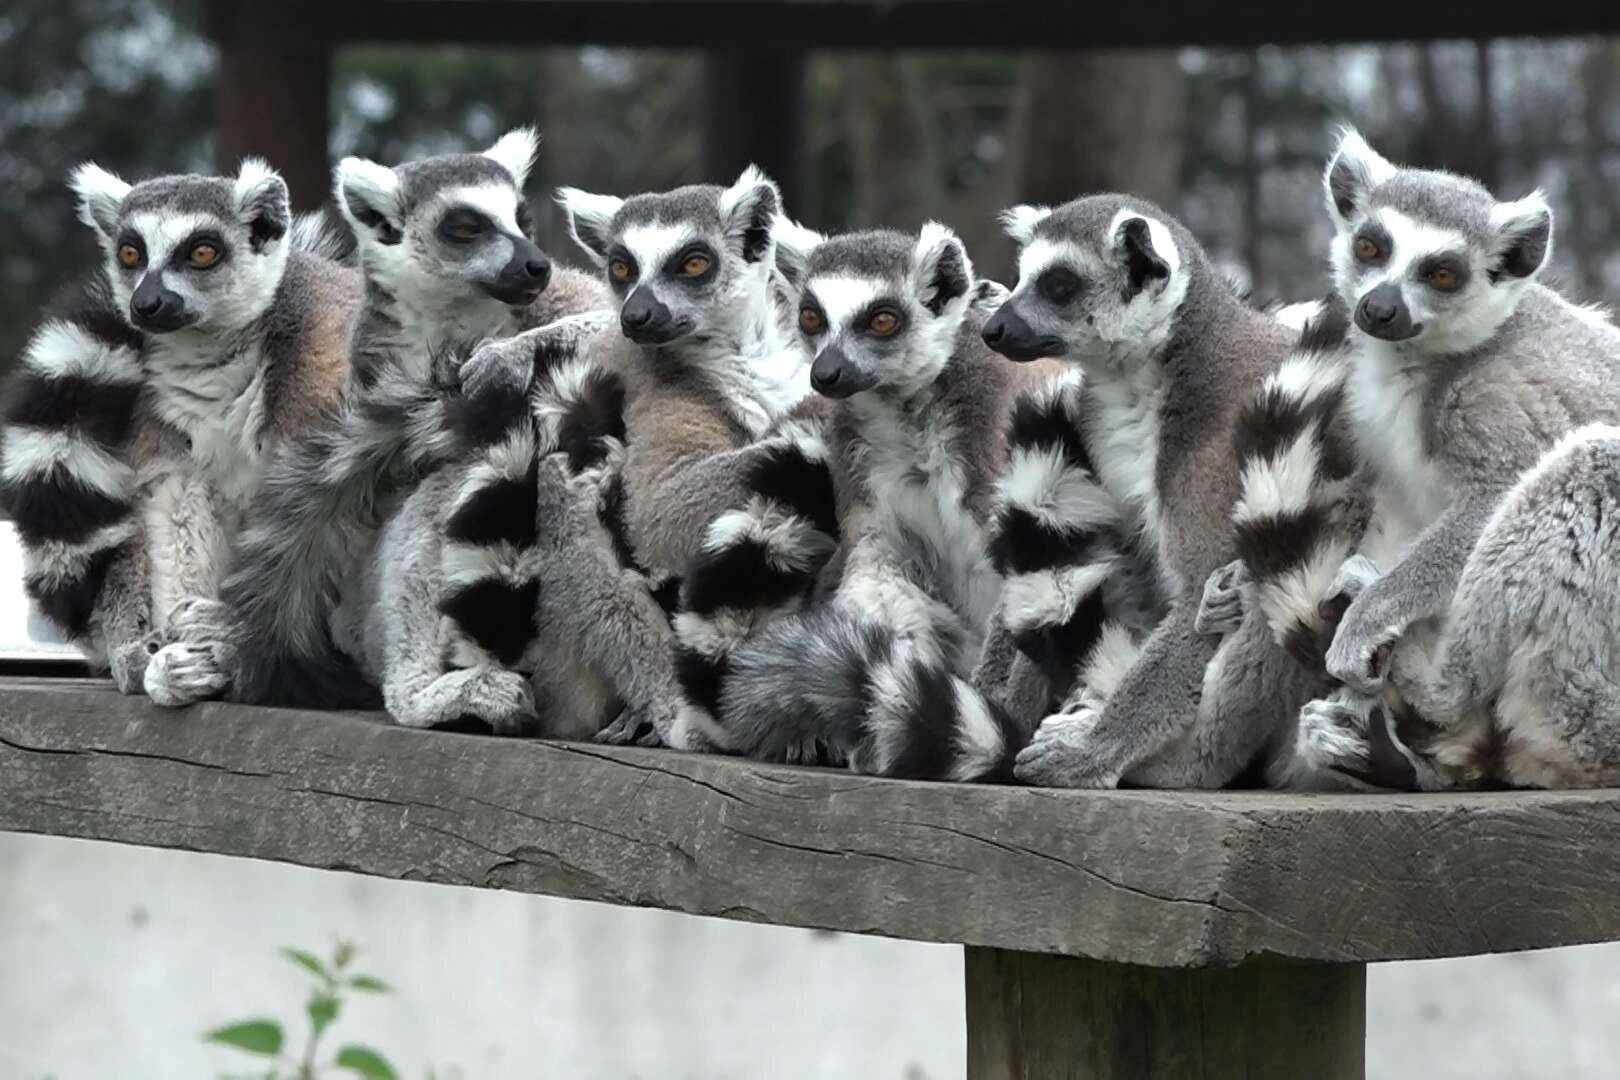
<point x="344" y="953"/>
<point x="254" y="1036"/>
<point x="370" y="984"/>
<point x="306" y="961"/>
<point x="365" y="1062"/>
<point x="322" y="1009"/>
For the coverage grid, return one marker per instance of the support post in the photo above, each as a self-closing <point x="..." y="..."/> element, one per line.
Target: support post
<point x="1058" y="1017"/>
<point x="273" y="97"/>
<point x="754" y="112"/>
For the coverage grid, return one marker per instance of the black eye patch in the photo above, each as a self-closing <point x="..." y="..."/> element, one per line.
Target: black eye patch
<point x="525" y="218"/>
<point x="181" y="255"/>
<point x="883" y="318"/>
<point x="676" y="265"/>
<point x="1059" y="285"/>
<point x="1446" y="272"/>
<point x="462" y="225"/>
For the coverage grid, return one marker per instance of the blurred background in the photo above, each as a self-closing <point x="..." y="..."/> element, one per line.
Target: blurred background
<point x="114" y="960"/>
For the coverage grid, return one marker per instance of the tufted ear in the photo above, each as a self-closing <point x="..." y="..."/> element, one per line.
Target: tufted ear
<point x="748" y="212"/>
<point x="1352" y="172"/>
<point x="1146" y="249"/>
<point x="590" y="220"/>
<point x="515" y="152"/>
<point x="368" y="194"/>
<point x="794" y="243"/>
<point x="100" y="195"/>
<point x="1020" y="221"/>
<point x="262" y="202"/>
<point x="941" y="272"/>
<point x="1523" y="240"/>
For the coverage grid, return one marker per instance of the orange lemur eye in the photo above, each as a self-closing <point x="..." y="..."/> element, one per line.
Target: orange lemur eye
<point x="1443" y="278"/>
<point x="810" y="320"/>
<point x="695" y="266"/>
<point x="883" y="323"/>
<point x="619" y="270"/>
<point x="1367" y="249"/>
<point x="202" y="256"/>
<point x="129" y="256"/>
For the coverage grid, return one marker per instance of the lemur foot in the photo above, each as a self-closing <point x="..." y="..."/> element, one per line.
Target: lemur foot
<point x="498" y="368"/>
<point x="129" y="663"/>
<point x="1354" y="575"/>
<point x="500" y="698"/>
<point x="1062" y="754"/>
<point x="184" y="672"/>
<point x="1349" y="733"/>
<point x="814" y="752"/>
<point x="1222" y="609"/>
<point x="632" y="726"/>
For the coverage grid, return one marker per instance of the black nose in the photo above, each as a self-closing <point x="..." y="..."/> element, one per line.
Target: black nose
<point x="823" y="379"/>
<point x="538" y="269"/>
<point x="148" y="305"/>
<point x="995" y="331"/>
<point x="638" y="316"/>
<point x="1378" y="311"/>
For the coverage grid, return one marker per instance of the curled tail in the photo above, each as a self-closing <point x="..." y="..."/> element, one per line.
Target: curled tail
<point x="65" y="476"/>
<point x="826" y="678"/>
<point x="1059" y="538"/>
<point x="1296" y="520"/>
<point x="756" y="562"/>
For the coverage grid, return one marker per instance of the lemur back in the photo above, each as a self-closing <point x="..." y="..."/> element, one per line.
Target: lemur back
<point x="138" y="424"/>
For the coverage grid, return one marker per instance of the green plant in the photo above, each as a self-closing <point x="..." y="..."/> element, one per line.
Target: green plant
<point x="266" y="1038"/>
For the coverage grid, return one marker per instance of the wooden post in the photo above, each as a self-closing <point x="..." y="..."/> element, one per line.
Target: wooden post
<point x="754" y="112"/>
<point x="273" y="93"/>
<point x="1061" y="1018"/>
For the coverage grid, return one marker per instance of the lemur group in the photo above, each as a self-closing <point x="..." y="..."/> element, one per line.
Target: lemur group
<point x="735" y="486"/>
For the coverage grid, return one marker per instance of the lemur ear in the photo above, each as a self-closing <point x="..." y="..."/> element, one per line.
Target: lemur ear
<point x="262" y="202"/>
<point x="590" y="220"/>
<point x="100" y="194"/>
<point x="1146" y="249"/>
<point x="515" y="152"/>
<point x="941" y="272"/>
<point x="368" y="194"/>
<point x="794" y="243"/>
<point x="1523" y="236"/>
<point x="1352" y="172"/>
<point x="1020" y="221"/>
<point x="748" y="211"/>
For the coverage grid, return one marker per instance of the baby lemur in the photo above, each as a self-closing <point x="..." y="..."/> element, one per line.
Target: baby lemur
<point x="137" y="426"/>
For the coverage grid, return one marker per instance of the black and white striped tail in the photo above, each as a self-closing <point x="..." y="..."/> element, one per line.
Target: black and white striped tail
<point x="66" y="479"/>
<point x="1297" y="460"/>
<point x="1057" y="537"/>
<point x="828" y="678"/>
<point x="490" y="560"/>
<point x="756" y="562"/>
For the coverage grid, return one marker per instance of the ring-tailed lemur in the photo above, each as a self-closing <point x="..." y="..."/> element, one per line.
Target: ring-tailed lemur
<point x="713" y="394"/>
<point x="1426" y="515"/>
<point x="137" y="425"/>
<point x="1118" y="287"/>
<point x="447" y="258"/>
<point x="878" y="673"/>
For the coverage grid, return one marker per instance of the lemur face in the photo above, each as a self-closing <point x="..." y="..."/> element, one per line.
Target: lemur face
<point x="690" y="264"/>
<point x="1097" y="278"/>
<point x="1425" y="259"/>
<point x="877" y="310"/>
<point x="189" y="251"/>
<point x="448" y="231"/>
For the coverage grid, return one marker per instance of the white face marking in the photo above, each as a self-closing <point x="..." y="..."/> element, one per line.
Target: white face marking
<point x="497" y="201"/>
<point x="842" y="298"/>
<point x="652" y="245"/>
<point x="1041" y="253"/>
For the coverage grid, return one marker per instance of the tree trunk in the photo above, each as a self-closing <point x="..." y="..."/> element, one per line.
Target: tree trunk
<point x="895" y="169"/>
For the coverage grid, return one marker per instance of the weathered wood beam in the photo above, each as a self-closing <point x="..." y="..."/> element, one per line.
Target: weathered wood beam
<point x="1168" y="879"/>
<point x="919" y="24"/>
<point x="1069" y="1019"/>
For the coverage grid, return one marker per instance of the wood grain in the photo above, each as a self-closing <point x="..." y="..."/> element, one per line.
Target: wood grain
<point x="1170" y="879"/>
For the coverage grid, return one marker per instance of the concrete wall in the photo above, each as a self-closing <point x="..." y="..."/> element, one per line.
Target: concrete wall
<point x="113" y="960"/>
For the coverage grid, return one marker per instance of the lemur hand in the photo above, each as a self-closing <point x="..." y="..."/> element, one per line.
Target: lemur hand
<point x="1224" y="603"/>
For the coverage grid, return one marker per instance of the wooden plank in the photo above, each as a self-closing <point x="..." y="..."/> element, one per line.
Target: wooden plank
<point x="1064" y="1018"/>
<point x="1170" y="879"/>
<point x="913" y="24"/>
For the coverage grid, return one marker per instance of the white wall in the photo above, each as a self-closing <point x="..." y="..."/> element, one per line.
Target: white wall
<point x="114" y="959"/>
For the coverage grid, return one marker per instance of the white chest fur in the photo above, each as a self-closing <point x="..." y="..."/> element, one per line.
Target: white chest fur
<point x="1385" y="400"/>
<point x="1124" y="443"/>
<point x="220" y="410"/>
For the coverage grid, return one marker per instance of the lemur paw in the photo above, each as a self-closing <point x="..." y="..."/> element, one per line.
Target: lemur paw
<point x="1359" y="655"/>
<point x="128" y="664"/>
<point x="1062" y="753"/>
<point x="500" y="698"/>
<point x="498" y="367"/>
<point x="1354" y="575"/>
<point x="1349" y="733"/>
<point x="1224" y="603"/>
<point x="814" y="752"/>
<point x="197" y="619"/>
<point x="184" y="672"/>
<point x="632" y="726"/>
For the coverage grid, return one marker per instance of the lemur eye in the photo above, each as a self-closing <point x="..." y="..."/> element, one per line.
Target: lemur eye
<point x="695" y="266"/>
<point x="129" y="256"/>
<point x="1443" y="278"/>
<point x="619" y="270"/>
<point x="810" y="320"/>
<point x="525" y="219"/>
<point x="462" y="226"/>
<point x="883" y="323"/>
<point x="1367" y="249"/>
<point x="1058" y="286"/>
<point x="202" y="256"/>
